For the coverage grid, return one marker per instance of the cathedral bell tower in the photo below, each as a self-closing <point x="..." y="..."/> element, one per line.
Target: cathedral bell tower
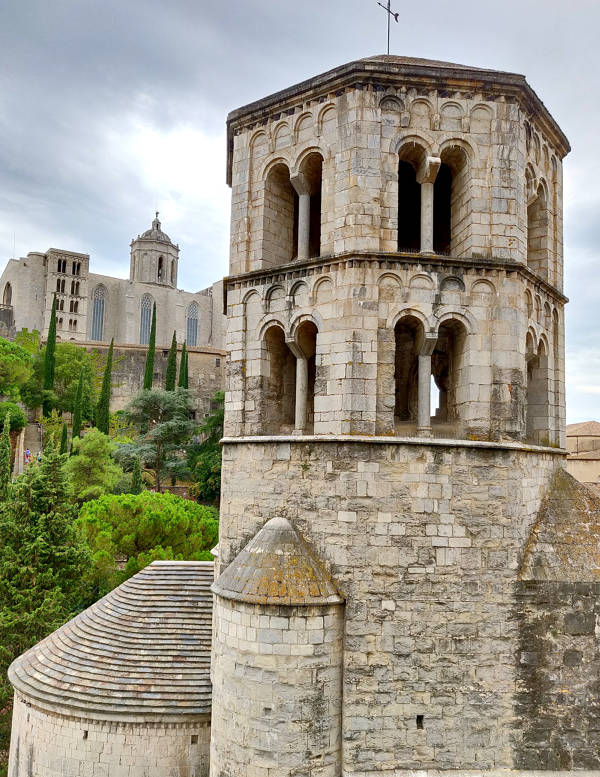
<point x="396" y="235"/>
<point x="154" y="258"/>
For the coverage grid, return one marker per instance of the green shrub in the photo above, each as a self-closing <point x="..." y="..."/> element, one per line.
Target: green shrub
<point x="18" y="419"/>
<point x="126" y="532"/>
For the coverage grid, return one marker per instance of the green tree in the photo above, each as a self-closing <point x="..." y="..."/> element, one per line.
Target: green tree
<point x="43" y="564"/>
<point x="91" y="468"/>
<point x="149" y="370"/>
<point x="49" y="363"/>
<point x="76" y="426"/>
<point x="18" y="419"/>
<point x="183" y="368"/>
<point x="30" y="341"/>
<point x="171" y="376"/>
<point x="5" y="451"/>
<point x="137" y="484"/>
<point x="16" y="367"/>
<point x="64" y="439"/>
<point x="70" y="359"/>
<point x="141" y="528"/>
<point x="103" y="407"/>
<point x="163" y="418"/>
<point x="205" y="457"/>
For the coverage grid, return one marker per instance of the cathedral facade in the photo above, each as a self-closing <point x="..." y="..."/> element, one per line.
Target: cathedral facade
<point x="94" y="308"/>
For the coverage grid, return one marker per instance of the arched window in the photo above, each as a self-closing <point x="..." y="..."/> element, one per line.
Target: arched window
<point x="308" y="187"/>
<point x="173" y="272"/>
<point x="58" y="282"/>
<point x="447" y="369"/>
<point x="77" y="287"/>
<point x="408" y="335"/>
<point x="145" y="318"/>
<point x="160" y="268"/>
<point x="7" y="296"/>
<point x="61" y="304"/>
<point x="279" y="399"/>
<point x="191" y="329"/>
<point x="451" y="202"/>
<point x="538" y="234"/>
<point x="280" y="230"/>
<point x="98" y="298"/>
<point x="306" y="339"/>
<point x="538" y="393"/>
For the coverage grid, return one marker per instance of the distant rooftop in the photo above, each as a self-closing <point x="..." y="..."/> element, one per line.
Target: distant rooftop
<point x="584" y="429"/>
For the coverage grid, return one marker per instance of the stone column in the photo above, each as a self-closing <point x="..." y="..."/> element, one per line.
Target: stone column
<point x="426" y="176"/>
<point x="301" y="185"/>
<point x="424" y="397"/>
<point x="301" y="387"/>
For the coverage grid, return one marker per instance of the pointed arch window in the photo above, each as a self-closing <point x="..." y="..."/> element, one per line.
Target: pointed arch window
<point x="145" y="318"/>
<point x="98" y="302"/>
<point x="191" y="328"/>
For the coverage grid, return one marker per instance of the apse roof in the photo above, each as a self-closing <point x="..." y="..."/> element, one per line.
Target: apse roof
<point x="277" y="568"/>
<point x="140" y="653"/>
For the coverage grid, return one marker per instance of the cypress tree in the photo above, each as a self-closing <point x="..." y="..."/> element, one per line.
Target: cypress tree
<point x="75" y="432"/>
<point x="149" y="371"/>
<point x="64" y="440"/>
<point x="49" y="361"/>
<point x="137" y="484"/>
<point x="171" y="376"/>
<point x="102" y="409"/>
<point x="5" y="458"/>
<point x="183" y="368"/>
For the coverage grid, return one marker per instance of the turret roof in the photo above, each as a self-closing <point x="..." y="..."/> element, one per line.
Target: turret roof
<point x="140" y="653"/>
<point x="277" y="568"/>
<point x="156" y="233"/>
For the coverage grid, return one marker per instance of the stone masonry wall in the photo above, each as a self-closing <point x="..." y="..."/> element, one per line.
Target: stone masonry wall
<point x="558" y="670"/>
<point x="277" y="676"/>
<point x="47" y="745"/>
<point x="424" y="541"/>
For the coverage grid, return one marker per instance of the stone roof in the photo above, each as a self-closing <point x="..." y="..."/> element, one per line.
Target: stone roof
<point x="277" y="568"/>
<point x="155" y="233"/>
<point x="584" y="429"/>
<point x="140" y="653"/>
<point x="564" y="544"/>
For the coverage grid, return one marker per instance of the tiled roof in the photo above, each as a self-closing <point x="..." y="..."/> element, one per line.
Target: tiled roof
<point x="140" y="653"/>
<point x="277" y="568"/>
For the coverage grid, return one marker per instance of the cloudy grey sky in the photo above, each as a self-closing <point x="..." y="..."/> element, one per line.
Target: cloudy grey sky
<point x="110" y="109"/>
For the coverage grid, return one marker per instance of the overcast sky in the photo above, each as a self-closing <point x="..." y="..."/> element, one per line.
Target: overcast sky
<point x="111" y="109"/>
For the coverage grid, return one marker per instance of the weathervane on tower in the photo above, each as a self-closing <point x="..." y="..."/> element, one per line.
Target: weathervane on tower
<point x="387" y="8"/>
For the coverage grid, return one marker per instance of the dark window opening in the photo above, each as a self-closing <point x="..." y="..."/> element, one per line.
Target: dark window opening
<point x="408" y="332"/>
<point x="409" y="208"/>
<point x="442" y="210"/>
<point x="420" y="719"/>
<point x="194" y="739"/>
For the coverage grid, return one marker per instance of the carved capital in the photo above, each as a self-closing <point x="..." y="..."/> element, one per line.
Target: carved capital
<point x="428" y="169"/>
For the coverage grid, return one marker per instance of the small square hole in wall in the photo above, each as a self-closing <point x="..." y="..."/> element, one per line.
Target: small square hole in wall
<point x="420" y="723"/>
<point x="85" y="733"/>
<point x="217" y="362"/>
<point x="194" y="739"/>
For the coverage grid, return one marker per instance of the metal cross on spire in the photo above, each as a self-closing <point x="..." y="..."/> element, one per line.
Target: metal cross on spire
<point x="390" y="13"/>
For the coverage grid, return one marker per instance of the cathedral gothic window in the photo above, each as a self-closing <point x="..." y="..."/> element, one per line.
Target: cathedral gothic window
<point x="191" y="329"/>
<point x="145" y="319"/>
<point x="98" y="299"/>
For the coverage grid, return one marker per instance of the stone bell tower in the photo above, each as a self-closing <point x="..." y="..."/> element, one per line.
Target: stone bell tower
<point x="396" y="235"/>
<point x="154" y="258"/>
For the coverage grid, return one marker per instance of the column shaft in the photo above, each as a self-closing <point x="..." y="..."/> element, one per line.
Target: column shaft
<point x="301" y="394"/>
<point x="426" y="218"/>
<point x="424" y="400"/>
<point x="303" y="225"/>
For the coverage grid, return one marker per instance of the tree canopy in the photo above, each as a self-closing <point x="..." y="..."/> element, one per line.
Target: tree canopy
<point x="141" y="528"/>
<point x="163" y="418"/>
<point x="69" y="360"/>
<point x="205" y="457"/>
<point x="18" y="419"/>
<point x="16" y="366"/>
<point x="91" y="468"/>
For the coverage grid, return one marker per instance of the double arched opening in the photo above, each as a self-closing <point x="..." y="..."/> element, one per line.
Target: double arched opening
<point x="289" y="380"/>
<point x="432" y="199"/>
<point x="539" y="400"/>
<point x="292" y="212"/>
<point x="538" y="229"/>
<point x="429" y="377"/>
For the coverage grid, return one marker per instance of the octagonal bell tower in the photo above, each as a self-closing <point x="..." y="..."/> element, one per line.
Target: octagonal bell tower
<point x="154" y="258"/>
<point x="396" y="383"/>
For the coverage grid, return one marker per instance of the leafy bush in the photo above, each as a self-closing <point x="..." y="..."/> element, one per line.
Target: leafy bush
<point x="18" y="419"/>
<point x="128" y="531"/>
<point x="16" y="366"/>
<point x="91" y="468"/>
